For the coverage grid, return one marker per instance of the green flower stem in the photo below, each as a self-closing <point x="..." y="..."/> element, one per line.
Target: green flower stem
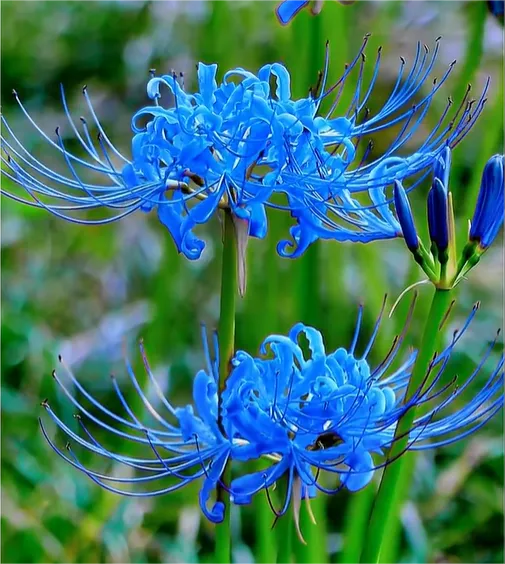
<point x="358" y="509"/>
<point x="396" y="474"/>
<point x="312" y="31"/>
<point x="285" y="527"/>
<point x="266" y="300"/>
<point x="226" y="336"/>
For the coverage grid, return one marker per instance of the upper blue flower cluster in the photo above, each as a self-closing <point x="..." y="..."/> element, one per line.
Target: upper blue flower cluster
<point x="304" y="412"/>
<point x="243" y="145"/>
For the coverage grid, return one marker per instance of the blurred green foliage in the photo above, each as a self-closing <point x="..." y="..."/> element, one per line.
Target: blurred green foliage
<point x="85" y="292"/>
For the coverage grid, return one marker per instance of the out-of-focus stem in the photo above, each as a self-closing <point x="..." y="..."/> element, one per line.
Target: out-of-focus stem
<point x="226" y="337"/>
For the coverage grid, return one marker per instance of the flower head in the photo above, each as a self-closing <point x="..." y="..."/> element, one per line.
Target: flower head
<point x="302" y="408"/>
<point x="336" y="412"/>
<point x="243" y="145"/>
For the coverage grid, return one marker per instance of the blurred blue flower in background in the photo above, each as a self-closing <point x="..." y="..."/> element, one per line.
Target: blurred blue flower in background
<point x="306" y="413"/>
<point x="497" y="7"/>
<point x="241" y="146"/>
<point x="288" y="9"/>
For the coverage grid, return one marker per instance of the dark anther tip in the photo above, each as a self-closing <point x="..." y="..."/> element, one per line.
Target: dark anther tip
<point x="112" y="376"/>
<point x="346" y="66"/>
<point x="327" y="44"/>
<point x="453" y="62"/>
<point x="367" y="35"/>
<point x="99" y="136"/>
<point x="379" y="50"/>
<point x="426" y="48"/>
<point x="82" y="119"/>
<point x="84" y="88"/>
<point x="435" y="81"/>
<point x="53" y="373"/>
<point x="77" y="416"/>
<point x="57" y="130"/>
<point x="59" y="358"/>
<point x="476" y="306"/>
<point x="14" y="93"/>
<point x="402" y="59"/>
<point x="152" y="71"/>
<point x="67" y="446"/>
<point x="44" y="403"/>
<point x="363" y="57"/>
<point x="438" y="38"/>
<point x="498" y="332"/>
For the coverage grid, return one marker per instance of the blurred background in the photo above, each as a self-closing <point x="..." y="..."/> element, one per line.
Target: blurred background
<point x="86" y="292"/>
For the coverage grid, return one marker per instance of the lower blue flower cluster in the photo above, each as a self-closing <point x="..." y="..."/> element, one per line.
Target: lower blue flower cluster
<point x="320" y="420"/>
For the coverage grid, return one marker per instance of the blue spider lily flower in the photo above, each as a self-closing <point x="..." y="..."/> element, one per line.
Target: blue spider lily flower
<point x="326" y="411"/>
<point x="237" y="144"/>
<point x="335" y="412"/>
<point x="488" y="216"/>
<point x="326" y="183"/>
<point x="288" y="9"/>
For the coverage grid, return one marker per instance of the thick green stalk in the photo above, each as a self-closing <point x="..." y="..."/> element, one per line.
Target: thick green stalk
<point x="308" y="30"/>
<point x="266" y="301"/>
<point x="285" y="527"/>
<point x="389" y="496"/>
<point x="226" y="336"/>
<point x="356" y="517"/>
